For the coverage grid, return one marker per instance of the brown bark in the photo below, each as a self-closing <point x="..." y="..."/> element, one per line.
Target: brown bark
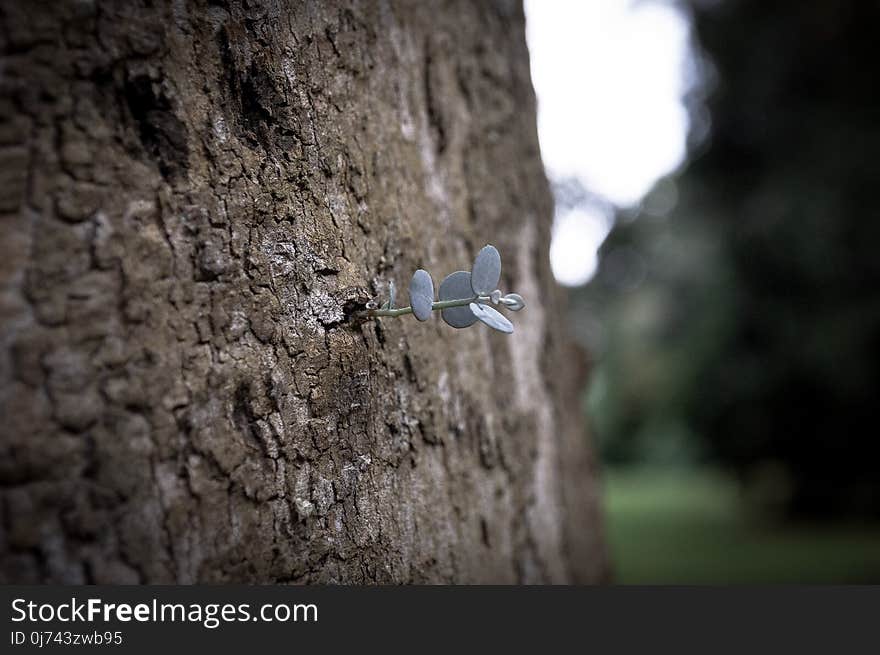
<point x="193" y="197"/>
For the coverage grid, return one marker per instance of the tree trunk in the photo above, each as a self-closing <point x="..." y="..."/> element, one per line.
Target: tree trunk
<point x="194" y="201"/>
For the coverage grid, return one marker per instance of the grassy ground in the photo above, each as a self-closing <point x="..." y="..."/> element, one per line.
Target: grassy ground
<point x="691" y="528"/>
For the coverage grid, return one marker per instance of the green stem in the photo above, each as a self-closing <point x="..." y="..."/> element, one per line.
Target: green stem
<point x="442" y="304"/>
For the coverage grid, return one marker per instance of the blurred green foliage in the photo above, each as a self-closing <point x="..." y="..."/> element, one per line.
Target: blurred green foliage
<point x="735" y="317"/>
<point x="685" y="527"/>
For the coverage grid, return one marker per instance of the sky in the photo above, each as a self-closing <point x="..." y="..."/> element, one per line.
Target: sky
<point x="609" y="76"/>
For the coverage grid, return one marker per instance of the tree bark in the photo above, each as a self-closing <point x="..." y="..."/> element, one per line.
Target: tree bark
<point x="194" y="200"/>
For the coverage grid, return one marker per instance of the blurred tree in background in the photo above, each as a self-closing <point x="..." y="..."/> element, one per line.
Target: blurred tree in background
<point x="739" y="313"/>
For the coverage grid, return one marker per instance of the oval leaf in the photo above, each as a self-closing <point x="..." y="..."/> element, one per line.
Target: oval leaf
<point x="421" y="294"/>
<point x="513" y="301"/>
<point x="491" y="317"/>
<point x="487" y="271"/>
<point x="457" y="286"/>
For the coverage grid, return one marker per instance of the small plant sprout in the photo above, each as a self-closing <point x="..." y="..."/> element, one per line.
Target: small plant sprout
<point x="465" y="296"/>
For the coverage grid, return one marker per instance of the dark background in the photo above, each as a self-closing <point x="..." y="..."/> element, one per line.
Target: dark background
<point x="735" y="380"/>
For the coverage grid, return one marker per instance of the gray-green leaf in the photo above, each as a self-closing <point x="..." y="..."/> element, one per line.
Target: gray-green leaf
<point x="487" y="271"/>
<point x="491" y="317"/>
<point x="513" y="302"/>
<point x="421" y="294"/>
<point x="457" y="286"/>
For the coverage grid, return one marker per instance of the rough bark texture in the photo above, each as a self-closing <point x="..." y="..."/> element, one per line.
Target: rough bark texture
<point x="193" y="196"/>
